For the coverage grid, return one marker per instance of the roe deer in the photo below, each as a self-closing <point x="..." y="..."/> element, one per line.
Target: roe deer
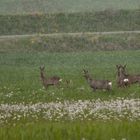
<point x="135" y="78"/>
<point x="97" y="84"/>
<point x="127" y="79"/>
<point x="51" y="81"/>
<point x="122" y="80"/>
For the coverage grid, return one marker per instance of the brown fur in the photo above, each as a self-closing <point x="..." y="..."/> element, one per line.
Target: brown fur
<point x="121" y="76"/>
<point x="51" y="81"/>
<point x="97" y="84"/>
<point x="132" y="79"/>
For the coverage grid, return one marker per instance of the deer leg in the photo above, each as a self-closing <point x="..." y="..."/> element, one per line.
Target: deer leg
<point x="119" y="84"/>
<point x="94" y="89"/>
<point x="108" y="88"/>
<point x="128" y="84"/>
<point x="46" y="87"/>
<point x="58" y="85"/>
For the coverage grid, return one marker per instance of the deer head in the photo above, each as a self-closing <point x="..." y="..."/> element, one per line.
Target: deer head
<point x="86" y="75"/>
<point x="42" y="69"/>
<point x="121" y="70"/>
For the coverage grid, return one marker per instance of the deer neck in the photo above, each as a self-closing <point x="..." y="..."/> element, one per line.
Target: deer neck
<point x="122" y="75"/>
<point x="88" y="78"/>
<point x="42" y="76"/>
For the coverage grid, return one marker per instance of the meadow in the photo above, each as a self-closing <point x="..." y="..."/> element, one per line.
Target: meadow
<point x="71" y="111"/>
<point x="63" y="6"/>
<point x="72" y="130"/>
<point x="20" y="74"/>
<point x="63" y="39"/>
<point x="98" y="21"/>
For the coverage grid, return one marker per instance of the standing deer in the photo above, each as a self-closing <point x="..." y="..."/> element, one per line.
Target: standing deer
<point x="97" y="84"/>
<point x="122" y="80"/>
<point x="125" y="79"/>
<point x="51" y="81"/>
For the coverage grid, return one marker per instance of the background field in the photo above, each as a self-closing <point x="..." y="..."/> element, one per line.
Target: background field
<point x="70" y="43"/>
<point x="55" y="6"/>
<point x="20" y="59"/>
<point x="108" y="20"/>
<point x="66" y="55"/>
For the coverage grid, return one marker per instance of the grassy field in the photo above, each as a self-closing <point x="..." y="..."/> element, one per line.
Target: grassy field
<point x="55" y="43"/>
<point x="72" y="131"/>
<point x="54" y="6"/>
<point x="20" y="74"/>
<point x="71" y="111"/>
<point x="108" y="20"/>
<point x="24" y="102"/>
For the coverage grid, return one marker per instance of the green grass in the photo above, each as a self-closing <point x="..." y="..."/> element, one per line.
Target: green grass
<point x="108" y="20"/>
<point x="72" y="131"/>
<point x="55" y="6"/>
<point x="66" y="56"/>
<point x="70" y="43"/>
<point x="20" y="83"/>
<point x="19" y="73"/>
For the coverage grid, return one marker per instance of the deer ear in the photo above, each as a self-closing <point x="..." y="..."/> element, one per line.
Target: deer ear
<point x="117" y="66"/>
<point x="85" y="71"/>
<point x="124" y="66"/>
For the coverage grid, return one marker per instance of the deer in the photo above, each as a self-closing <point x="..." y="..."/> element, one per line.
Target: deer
<point x="50" y="81"/>
<point x="122" y="80"/>
<point x="125" y="79"/>
<point x="97" y="84"/>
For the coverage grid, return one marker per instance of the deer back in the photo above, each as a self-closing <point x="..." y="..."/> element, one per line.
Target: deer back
<point x="133" y="78"/>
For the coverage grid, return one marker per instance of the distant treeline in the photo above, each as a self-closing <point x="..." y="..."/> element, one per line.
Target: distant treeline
<point x="108" y="20"/>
